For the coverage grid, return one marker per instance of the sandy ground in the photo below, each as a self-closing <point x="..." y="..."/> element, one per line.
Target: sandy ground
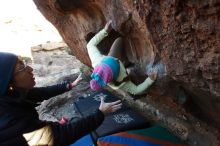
<point x="23" y="26"/>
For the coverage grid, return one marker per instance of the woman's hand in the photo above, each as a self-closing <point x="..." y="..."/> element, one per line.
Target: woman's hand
<point x="106" y="108"/>
<point x="108" y="26"/>
<point x="77" y="80"/>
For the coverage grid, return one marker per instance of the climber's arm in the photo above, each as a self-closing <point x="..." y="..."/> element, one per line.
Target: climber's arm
<point x="130" y="87"/>
<point x="93" y="51"/>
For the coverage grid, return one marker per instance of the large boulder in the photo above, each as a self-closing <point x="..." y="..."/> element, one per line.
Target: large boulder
<point x="184" y="34"/>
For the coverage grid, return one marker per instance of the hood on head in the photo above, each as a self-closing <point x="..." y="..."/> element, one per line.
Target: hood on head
<point x="7" y="65"/>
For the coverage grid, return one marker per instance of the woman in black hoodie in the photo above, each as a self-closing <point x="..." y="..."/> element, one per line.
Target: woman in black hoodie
<point x="19" y="121"/>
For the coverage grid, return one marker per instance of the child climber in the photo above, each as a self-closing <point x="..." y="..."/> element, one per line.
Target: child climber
<point x="110" y="69"/>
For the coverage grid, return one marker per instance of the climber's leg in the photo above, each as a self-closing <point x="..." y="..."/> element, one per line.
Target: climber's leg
<point x="116" y="49"/>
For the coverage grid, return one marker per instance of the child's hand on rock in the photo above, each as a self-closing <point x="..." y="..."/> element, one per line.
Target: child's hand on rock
<point x="108" y="26"/>
<point x="153" y="74"/>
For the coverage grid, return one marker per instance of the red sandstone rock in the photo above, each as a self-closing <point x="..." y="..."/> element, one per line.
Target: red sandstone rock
<point x="185" y="34"/>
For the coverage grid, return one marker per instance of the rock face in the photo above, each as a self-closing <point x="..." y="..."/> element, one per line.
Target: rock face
<point x="184" y="34"/>
<point x="53" y="64"/>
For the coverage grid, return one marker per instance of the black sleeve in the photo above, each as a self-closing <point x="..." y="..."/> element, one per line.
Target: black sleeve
<point x="67" y="134"/>
<point x="38" y="94"/>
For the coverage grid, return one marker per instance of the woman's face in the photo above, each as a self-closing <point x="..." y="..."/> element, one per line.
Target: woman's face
<point x="23" y="76"/>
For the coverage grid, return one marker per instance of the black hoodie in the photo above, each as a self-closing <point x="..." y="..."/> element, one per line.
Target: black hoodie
<point x="18" y="114"/>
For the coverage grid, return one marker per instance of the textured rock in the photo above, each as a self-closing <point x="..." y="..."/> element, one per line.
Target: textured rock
<point x="52" y="61"/>
<point x="185" y="34"/>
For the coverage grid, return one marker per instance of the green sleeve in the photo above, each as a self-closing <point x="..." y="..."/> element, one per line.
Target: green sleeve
<point x="94" y="54"/>
<point x="130" y="87"/>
